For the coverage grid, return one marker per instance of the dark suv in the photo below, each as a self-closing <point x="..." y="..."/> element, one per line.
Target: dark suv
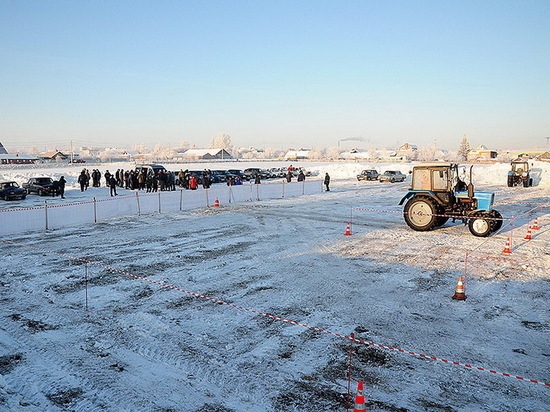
<point x="369" y="174"/>
<point x="11" y="191"/>
<point x="42" y="186"/>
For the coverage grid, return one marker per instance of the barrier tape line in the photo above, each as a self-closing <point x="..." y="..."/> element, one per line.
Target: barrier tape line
<point x="351" y="338"/>
<point x="433" y="214"/>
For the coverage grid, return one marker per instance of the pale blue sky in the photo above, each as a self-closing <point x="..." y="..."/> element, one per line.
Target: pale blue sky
<point x="275" y="73"/>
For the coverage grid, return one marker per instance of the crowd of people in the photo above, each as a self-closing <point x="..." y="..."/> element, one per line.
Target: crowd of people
<point x="161" y="180"/>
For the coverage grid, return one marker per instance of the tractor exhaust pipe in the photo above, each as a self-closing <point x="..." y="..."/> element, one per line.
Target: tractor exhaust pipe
<point x="471" y="185"/>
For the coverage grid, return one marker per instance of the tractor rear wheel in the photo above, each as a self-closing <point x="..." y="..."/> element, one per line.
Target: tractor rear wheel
<point x="497" y="223"/>
<point x="479" y="226"/>
<point x="419" y="213"/>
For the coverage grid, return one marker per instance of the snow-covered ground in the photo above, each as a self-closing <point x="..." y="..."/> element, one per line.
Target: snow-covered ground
<point x="143" y="346"/>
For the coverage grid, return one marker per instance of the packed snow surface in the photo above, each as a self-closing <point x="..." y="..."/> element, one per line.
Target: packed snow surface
<point x="170" y="313"/>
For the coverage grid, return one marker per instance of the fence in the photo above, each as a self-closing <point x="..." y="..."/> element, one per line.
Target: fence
<point x="54" y="216"/>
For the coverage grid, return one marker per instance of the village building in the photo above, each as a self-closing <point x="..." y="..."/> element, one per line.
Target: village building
<point x="407" y="151"/>
<point x="15" y="159"/>
<point x="205" y="154"/>
<point x="53" y="155"/>
<point x="482" y="153"/>
<point x="298" y="154"/>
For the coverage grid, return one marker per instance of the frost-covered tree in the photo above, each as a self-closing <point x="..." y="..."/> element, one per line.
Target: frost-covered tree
<point x="221" y="141"/>
<point x="464" y="148"/>
<point x="163" y="152"/>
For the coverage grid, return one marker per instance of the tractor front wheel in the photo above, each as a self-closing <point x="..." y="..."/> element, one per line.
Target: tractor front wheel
<point x="479" y="226"/>
<point x="419" y="213"/>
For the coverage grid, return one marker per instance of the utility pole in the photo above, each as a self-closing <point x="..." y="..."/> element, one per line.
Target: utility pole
<point x="547" y="140"/>
<point x="72" y="153"/>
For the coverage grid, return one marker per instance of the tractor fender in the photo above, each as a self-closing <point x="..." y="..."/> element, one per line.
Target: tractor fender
<point x="425" y="193"/>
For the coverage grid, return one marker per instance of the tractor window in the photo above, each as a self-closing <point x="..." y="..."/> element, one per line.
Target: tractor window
<point x="440" y="179"/>
<point x="421" y="180"/>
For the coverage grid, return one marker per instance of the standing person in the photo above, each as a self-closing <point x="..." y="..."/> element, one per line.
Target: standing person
<point x="87" y="178"/>
<point x="301" y="176"/>
<point x="327" y="181"/>
<point x="107" y="178"/>
<point x="82" y="180"/>
<point x="141" y="180"/>
<point x="193" y="182"/>
<point x="112" y="185"/>
<point x="61" y="185"/>
<point x="205" y="179"/>
<point x="257" y="179"/>
<point x="289" y="176"/>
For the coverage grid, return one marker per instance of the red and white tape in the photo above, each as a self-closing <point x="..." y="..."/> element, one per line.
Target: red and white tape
<point x="478" y="368"/>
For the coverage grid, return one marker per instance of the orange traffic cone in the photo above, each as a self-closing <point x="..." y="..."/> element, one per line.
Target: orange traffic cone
<point x="507" y="247"/>
<point x="459" y="292"/>
<point x="535" y="224"/>
<point x="348" y="230"/>
<point x="359" y="399"/>
<point x="528" y="235"/>
<point x="216" y="203"/>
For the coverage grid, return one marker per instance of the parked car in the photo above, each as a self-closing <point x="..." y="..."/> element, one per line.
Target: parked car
<point x="42" y="186"/>
<point x="150" y="169"/>
<point x="368" y="174"/>
<point x="392" y="176"/>
<point x="78" y="160"/>
<point x="218" y="176"/>
<point x="278" y="171"/>
<point x="237" y="172"/>
<point x="10" y="190"/>
<point x="254" y="171"/>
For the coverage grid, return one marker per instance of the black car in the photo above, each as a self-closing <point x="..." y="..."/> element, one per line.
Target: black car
<point x="42" y="186"/>
<point x="218" y="176"/>
<point x="11" y="191"/>
<point x="239" y="173"/>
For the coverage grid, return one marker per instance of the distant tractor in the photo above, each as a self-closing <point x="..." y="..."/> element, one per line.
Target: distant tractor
<point x="437" y="190"/>
<point x="520" y="174"/>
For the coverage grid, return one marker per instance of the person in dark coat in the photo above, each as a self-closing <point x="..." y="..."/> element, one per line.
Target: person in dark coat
<point x="301" y="176"/>
<point x="327" y="181"/>
<point x="61" y="185"/>
<point x="107" y="178"/>
<point x="257" y="179"/>
<point x="112" y="185"/>
<point x="289" y="176"/>
<point x="82" y="180"/>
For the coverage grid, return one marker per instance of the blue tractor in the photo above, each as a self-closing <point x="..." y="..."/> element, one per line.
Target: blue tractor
<point x="438" y="194"/>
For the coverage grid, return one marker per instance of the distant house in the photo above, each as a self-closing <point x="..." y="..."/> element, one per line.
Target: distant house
<point x="407" y="150"/>
<point x="356" y="154"/>
<point x="297" y="154"/>
<point x="53" y="155"/>
<point x="205" y="154"/>
<point x="545" y="157"/>
<point x="482" y="153"/>
<point x="17" y="159"/>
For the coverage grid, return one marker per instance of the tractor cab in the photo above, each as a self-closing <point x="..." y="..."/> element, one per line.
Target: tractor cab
<point x="438" y="193"/>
